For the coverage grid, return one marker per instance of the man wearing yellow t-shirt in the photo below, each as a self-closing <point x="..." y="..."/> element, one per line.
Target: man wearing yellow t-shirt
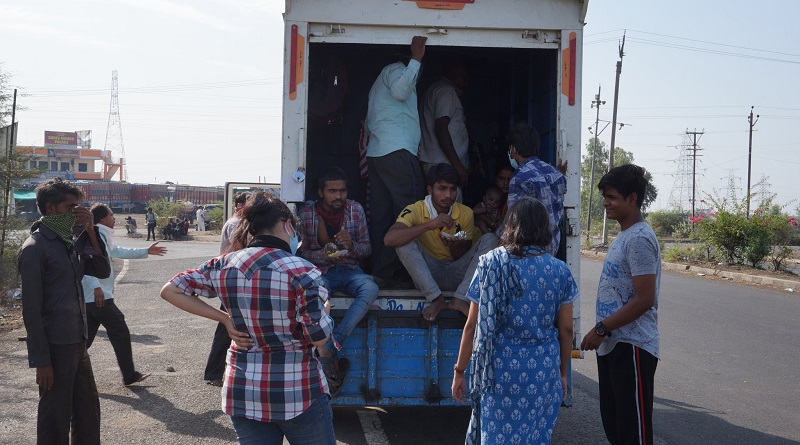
<point x="429" y="242"/>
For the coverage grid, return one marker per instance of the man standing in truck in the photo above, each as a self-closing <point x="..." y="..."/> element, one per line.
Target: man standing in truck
<point x="395" y="176"/>
<point x="536" y="178"/>
<point x="335" y="238"/>
<point x="444" y="128"/>
<point x="433" y="238"/>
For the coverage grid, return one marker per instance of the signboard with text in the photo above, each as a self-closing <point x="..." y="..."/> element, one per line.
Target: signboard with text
<point x="61" y="140"/>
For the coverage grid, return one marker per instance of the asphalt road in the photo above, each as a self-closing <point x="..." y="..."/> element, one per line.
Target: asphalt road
<point x="725" y="375"/>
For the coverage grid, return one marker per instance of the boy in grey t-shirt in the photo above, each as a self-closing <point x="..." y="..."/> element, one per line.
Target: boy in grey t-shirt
<point x="626" y="335"/>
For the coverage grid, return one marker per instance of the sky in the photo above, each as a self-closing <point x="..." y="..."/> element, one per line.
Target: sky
<point x="200" y="85"/>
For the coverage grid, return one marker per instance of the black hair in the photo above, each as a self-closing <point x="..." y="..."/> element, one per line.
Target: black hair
<point x="149" y="209"/>
<point x="526" y="223"/>
<point x="331" y="173"/>
<point x="99" y="211"/>
<point x="504" y="166"/>
<point x="626" y="179"/>
<point x="54" y="191"/>
<point x="241" y="198"/>
<point x="525" y="139"/>
<point x="442" y="173"/>
<point x="261" y="212"/>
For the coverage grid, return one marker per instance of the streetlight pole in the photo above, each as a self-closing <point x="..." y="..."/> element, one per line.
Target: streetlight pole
<point x="750" y="157"/>
<point x="595" y="104"/>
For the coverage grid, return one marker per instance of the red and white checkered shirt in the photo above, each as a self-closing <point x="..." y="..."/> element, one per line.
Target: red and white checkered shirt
<point x="278" y="298"/>
<point x="355" y="223"/>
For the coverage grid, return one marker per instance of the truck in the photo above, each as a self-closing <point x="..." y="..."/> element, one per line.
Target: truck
<point x="524" y="59"/>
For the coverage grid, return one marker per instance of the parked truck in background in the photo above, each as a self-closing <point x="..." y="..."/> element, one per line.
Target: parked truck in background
<point x="524" y="61"/>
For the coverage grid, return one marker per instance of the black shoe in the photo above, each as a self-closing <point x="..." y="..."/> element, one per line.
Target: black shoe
<point x="137" y="377"/>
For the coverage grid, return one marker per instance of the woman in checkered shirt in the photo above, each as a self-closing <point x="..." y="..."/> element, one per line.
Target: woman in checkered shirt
<point x="276" y="310"/>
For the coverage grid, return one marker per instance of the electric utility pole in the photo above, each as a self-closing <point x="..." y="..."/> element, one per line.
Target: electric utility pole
<point x="614" y="128"/>
<point x="750" y="157"/>
<point x="694" y="155"/>
<point x="595" y="104"/>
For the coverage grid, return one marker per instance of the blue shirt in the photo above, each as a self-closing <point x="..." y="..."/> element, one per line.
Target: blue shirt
<point x="392" y="117"/>
<point x="634" y="252"/>
<point x="540" y="180"/>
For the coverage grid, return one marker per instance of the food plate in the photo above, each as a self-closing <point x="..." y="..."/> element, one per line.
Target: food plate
<point x="338" y="253"/>
<point x="458" y="236"/>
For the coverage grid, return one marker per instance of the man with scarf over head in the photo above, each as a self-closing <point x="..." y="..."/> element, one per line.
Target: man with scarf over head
<point x="52" y="265"/>
<point x="335" y="236"/>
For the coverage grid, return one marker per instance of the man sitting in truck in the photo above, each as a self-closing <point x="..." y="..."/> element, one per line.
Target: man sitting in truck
<point x="335" y="238"/>
<point x="433" y="238"/>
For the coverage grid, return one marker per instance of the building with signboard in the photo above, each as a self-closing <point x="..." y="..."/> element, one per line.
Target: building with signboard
<point x="69" y="155"/>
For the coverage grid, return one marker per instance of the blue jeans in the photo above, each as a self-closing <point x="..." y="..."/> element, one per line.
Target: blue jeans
<point x="361" y="287"/>
<point x="313" y="427"/>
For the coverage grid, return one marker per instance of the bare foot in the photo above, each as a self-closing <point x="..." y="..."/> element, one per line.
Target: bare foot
<point x="459" y="305"/>
<point x="432" y="310"/>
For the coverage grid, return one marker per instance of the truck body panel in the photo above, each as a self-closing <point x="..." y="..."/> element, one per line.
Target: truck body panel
<point x="524" y="60"/>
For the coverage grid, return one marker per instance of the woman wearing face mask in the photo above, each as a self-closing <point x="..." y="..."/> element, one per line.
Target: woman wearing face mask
<point x="273" y="385"/>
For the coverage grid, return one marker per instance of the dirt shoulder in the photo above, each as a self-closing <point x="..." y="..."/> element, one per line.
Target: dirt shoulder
<point x="736" y="272"/>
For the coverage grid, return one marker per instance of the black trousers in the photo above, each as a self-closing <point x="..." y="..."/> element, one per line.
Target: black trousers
<point x="626" y="377"/>
<point x="151" y="229"/>
<point x="395" y="181"/>
<point x="215" y="365"/>
<point x="118" y="334"/>
<point x="72" y="403"/>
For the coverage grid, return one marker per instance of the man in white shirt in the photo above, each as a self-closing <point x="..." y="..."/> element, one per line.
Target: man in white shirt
<point x="444" y="129"/>
<point x="201" y="219"/>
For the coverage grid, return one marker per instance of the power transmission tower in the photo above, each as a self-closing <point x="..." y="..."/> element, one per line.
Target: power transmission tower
<point x="763" y="190"/>
<point x="114" y="158"/>
<point x="694" y="155"/>
<point x="732" y="186"/>
<point x="681" y="193"/>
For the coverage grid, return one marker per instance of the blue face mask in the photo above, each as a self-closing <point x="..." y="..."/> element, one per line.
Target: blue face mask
<point x="294" y="240"/>
<point x="512" y="161"/>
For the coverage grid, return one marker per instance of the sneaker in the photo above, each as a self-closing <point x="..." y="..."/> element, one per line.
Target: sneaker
<point x="137" y="377"/>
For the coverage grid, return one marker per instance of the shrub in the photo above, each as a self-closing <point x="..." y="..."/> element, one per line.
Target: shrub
<point x="682" y="254"/>
<point x="15" y="236"/>
<point x="665" y="222"/>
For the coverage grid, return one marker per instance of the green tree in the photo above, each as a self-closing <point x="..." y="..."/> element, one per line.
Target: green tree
<point x="621" y="157"/>
<point x="12" y="172"/>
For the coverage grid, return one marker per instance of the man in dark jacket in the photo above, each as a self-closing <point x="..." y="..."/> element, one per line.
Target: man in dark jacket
<point x="52" y="265"/>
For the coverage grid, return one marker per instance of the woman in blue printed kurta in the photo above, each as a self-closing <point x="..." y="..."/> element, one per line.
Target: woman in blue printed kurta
<point x="521" y="320"/>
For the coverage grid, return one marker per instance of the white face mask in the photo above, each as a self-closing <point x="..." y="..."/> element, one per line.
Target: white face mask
<point x="512" y="161"/>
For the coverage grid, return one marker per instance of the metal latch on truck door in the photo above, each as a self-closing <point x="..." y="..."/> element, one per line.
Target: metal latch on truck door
<point x="336" y="29"/>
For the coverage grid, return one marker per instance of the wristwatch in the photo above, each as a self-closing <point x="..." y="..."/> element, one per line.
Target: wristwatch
<point x="458" y="371"/>
<point x="601" y="330"/>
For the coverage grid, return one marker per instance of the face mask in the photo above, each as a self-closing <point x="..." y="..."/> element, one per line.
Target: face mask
<point x="61" y="224"/>
<point x="294" y="240"/>
<point x="512" y="161"/>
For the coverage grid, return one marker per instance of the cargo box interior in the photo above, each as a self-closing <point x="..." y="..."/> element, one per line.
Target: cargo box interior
<point x="506" y="86"/>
